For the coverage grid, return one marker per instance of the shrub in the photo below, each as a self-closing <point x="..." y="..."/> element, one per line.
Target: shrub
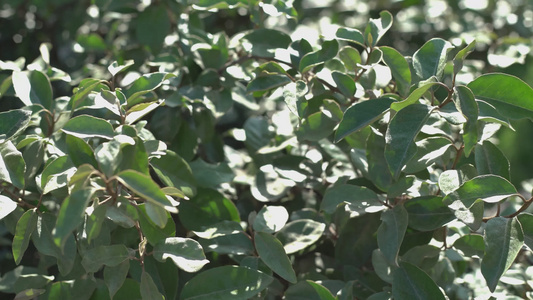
<point x="247" y="164"/>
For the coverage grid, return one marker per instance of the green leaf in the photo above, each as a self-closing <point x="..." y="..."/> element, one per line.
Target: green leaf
<point x="526" y="220"/>
<point x="13" y="123"/>
<point x="360" y="199"/>
<point x="414" y="96"/>
<point x="399" y="67"/>
<point x="470" y="245"/>
<point x="377" y="28"/>
<point x="207" y="208"/>
<point x="86" y="126"/>
<point x="503" y="240"/>
<point x="317" y="126"/>
<point x="113" y="255"/>
<point x="489" y="113"/>
<point x="143" y="85"/>
<point x="33" y="87"/>
<point x="237" y="243"/>
<point x="322" y="292"/>
<point x="429" y="151"/>
<point x="391" y="232"/>
<point x="410" y="282"/>
<point x="489" y="188"/>
<point x="267" y="82"/>
<point x="430" y="59"/>
<point x="402" y="130"/>
<point x="156" y="214"/>
<point x="491" y="160"/>
<point x="328" y="50"/>
<point x="467" y="105"/>
<point x="345" y="83"/>
<point x="145" y="187"/>
<point x="148" y="288"/>
<point x="378" y="169"/>
<point x="351" y="58"/>
<point x="140" y="110"/>
<point x="293" y="95"/>
<point x="174" y="171"/>
<point x="57" y="174"/>
<point x="211" y="175"/>
<point x="71" y="214"/>
<point x="300" y="234"/>
<point x="152" y="26"/>
<point x="85" y="87"/>
<point x="271" y="219"/>
<point x="25" y="227"/>
<point x="459" y="59"/>
<point x="227" y="282"/>
<point x="508" y="94"/>
<point x="114" y="276"/>
<point x="114" y="68"/>
<point x="79" y="152"/>
<point x="29" y="294"/>
<point x="187" y="254"/>
<point x="264" y="41"/>
<point x="271" y="252"/>
<point x="351" y="35"/>
<point x="12" y="165"/>
<point x="428" y="213"/>
<point x="153" y="231"/>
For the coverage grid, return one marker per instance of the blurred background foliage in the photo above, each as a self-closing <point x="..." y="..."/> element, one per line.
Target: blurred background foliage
<point x="85" y="36"/>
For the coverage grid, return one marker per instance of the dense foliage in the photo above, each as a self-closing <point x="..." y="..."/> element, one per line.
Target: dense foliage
<point x="262" y="150"/>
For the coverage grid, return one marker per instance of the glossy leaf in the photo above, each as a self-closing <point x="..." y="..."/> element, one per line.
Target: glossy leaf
<point x="401" y="73"/>
<point x="267" y="82"/>
<point x="345" y="83"/>
<point x="57" y="174"/>
<point x="271" y="252"/>
<point x="86" y="126"/>
<point x="298" y="235"/>
<point x="491" y="160"/>
<point x="360" y="199"/>
<point x="428" y="213"/>
<point x="402" y="131"/>
<point x="459" y="59"/>
<point x="114" y="68"/>
<point x="156" y="214"/>
<point x="414" y="96"/>
<point x="503" y="240"/>
<point x="149" y="290"/>
<point x="140" y="110"/>
<point x="508" y="94"/>
<point x="13" y="123"/>
<point x="351" y="35"/>
<point x="70" y="214"/>
<point x="174" y="171"/>
<point x="350" y="57"/>
<point x="328" y="50"/>
<point x="467" y="105"/>
<point x="113" y="255"/>
<point x="186" y="253"/>
<point x="33" y="87"/>
<point x="227" y="282"/>
<point x="79" y="152"/>
<point x="430" y="150"/>
<point x="489" y="188"/>
<point x="391" y="232"/>
<point x="270" y="219"/>
<point x="410" y="282"/>
<point x="12" y="165"/>
<point x="25" y="227"/>
<point x="145" y="187"/>
<point x="430" y="59"/>
<point x="377" y="28"/>
<point x="144" y="85"/>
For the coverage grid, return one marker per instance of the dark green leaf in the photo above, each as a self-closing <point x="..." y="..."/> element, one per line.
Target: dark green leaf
<point x="186" y="253"/>
<point x="56" y="174"/>
<point x="145" y="187"/>
<point x="378" y="169"/>
<point x="114" y="276"/>
<point x="414" y="96"/>
<point x="508" y="94"/>
<point x="211" y="175"/>
<point x="360" y="199"/>
<point x="152" y="26"/>
<point x="33" y="87"/>
<point x="25" y="227"/>
<point x="351" y="35"/>
<point x="156" y="214"/>
<point x="298" y="235"/>
<point x="377" y="28"/>
<point x="328" y="50"/>
<point x="489" y="113"/>
<point x="351" y="58"/>
<point x="430" y="59"/>
<point x="410" y="282"/>
<point x="85" y="87"/>
<point x="317" y="126"/>
<point x="491" y="160"/>
<point x="503" y="240"/>
<point x="174" y="171"/>
<point x="470" y="245"/>
<point x="264" y="41"/>
<point x="112" y="256"/>
<point x="237" y="243"/>
<point x="148" y="288"/>
<point x="267" y="82"/>
<point x="13" y="123"/>
<point x="467" y="105"/>
<point x="345" y="83"/>
<point x="357" y="240"/>
<point x="428" y="213"/>
<point x="33" y="155"/>
<point x="227" y="282"/>
<point x="153" y="232"/>
<point x="391" y="232"/>
<point x="459" y="59"/>
<point x="429" y="151"/>
<point x="322" y="292"/>
<point x="80" y="152"/>
<point x="402" y="131"/>
<point x="143" y="85"/>
<point x="12" y="165"/>
<point x="271" y="219"/>
<point x="86" y="126"/>
<point x="489" y="188"/>
<point x="526" y="220"/>
<point x="271" y="252"/>
<point x="71" y="214"/>
<point x="401" y="73"/>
